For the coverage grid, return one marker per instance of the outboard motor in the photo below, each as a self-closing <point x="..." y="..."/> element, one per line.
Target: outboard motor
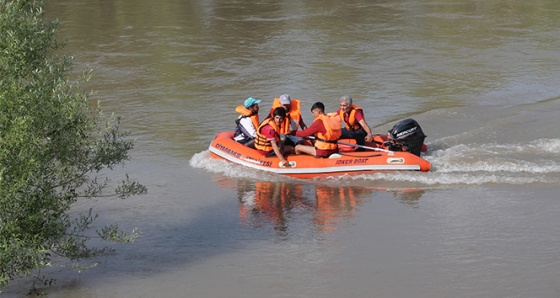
<point x="406" y="136"/>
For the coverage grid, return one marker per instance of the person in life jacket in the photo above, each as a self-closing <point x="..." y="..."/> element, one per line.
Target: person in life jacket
<point x="293" y="119"/>
<point x="356" y="126"/>
<point x="268" y="140"/>
<point x="327" y="130"/>
<point x="247" y="122"/>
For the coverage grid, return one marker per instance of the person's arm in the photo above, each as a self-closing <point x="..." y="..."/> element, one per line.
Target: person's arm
<point x="315" y="127"/>
<point x="365" y="126"/>
<point x="362" y="120"/>
<point x="278" y="152"/>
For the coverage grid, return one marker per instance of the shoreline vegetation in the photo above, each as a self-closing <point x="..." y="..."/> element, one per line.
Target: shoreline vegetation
<point x="56" y="149"/>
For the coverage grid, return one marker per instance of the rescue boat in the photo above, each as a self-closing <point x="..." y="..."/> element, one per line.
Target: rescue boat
<point x="382" y="154"/>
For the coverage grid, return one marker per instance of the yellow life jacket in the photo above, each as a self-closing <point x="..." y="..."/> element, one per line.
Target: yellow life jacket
<point x="244" y="112"/>
<point x="293" y="116"/>
<point x="352" y="125"/>
<point x="261" y="143"/>
<point x="333" y="125"/>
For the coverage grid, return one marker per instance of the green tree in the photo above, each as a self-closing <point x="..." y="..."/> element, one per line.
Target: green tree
<point x="56" y="148"/>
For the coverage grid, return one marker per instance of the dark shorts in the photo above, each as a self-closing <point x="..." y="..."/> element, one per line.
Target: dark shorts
<point x="290" y="140"/>
<point x="359" y="135"/>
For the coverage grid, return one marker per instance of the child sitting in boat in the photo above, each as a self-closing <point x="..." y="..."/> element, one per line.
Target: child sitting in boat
<point x="326" y="128"/>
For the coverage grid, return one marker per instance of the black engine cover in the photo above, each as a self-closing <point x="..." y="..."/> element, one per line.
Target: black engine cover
<point x="408" y="135"/>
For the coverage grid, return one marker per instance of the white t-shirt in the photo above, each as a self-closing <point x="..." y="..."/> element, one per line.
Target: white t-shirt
<point x="247" y="124"/>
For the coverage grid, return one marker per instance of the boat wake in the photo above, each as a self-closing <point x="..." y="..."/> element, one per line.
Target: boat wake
<point x="534" y="162"/>
<point x="202" y="160"/>
<point x="461" y="164"/>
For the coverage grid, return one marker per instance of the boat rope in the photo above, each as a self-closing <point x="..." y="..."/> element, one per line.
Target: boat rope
<point x="358" y="156"/>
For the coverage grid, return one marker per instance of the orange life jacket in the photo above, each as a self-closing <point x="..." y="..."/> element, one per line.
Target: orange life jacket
<point x="261" y="143"/>
<point x="351" y="124"/>
<point x="293" y="116"/>
<point x="244" y="112"/>
<point x="333" y="125"/>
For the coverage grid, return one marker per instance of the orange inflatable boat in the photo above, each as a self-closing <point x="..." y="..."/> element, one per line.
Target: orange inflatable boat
<point x="376" y="157"/>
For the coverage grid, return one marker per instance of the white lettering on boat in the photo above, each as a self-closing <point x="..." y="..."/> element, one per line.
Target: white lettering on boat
<point x="259" y="162"/>
<point x="227" y="150"/>
<point x="406" y="132"/>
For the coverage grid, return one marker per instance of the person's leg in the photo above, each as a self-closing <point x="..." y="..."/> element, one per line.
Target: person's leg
<point x="292" y="140"/>
<point x="305" y="150"/>
<point x="360" y="136"/>
<point x="285" y="140"/>
<point x="346" y="134"/>
<point x="288" y="149"/>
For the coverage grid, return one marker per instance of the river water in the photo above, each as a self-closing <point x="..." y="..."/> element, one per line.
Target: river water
<point x="481" y="77"/>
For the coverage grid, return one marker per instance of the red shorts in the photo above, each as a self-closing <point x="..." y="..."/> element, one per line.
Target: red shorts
<point x="324" y="153"/>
